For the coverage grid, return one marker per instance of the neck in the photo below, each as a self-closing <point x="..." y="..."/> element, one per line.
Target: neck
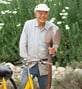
<point x="41" y="25"/>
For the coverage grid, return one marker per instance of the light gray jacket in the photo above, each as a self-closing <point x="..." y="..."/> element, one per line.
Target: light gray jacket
<point x="32" y="45"/>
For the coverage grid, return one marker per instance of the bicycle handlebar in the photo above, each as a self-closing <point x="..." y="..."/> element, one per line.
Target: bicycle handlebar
<point x="18" y="62"/>
<point x="26" y="62"/>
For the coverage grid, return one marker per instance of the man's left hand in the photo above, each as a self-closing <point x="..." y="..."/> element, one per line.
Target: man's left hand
<point x="51" y="50"/>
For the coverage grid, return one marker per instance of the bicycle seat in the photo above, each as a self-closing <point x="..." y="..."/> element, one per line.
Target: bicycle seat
<point x="5" y="71"/>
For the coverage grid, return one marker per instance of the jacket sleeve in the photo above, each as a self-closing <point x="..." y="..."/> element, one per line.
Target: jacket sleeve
<point x="23" y="44"/>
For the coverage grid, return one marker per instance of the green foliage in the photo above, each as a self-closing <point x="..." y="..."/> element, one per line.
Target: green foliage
<point x="76" y="64"/>
<point x="70" y="47"/>
<point x="70" y="81"/>
<point x="21" y="10"/>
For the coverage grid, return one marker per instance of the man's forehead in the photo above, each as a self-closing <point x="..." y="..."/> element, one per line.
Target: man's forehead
<point x="41" y="11"/>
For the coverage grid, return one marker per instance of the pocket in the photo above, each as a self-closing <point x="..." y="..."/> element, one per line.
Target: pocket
<point x="43" y="69"/>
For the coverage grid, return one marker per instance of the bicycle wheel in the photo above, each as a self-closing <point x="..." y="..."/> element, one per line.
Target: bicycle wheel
<point x="11" y="84"/>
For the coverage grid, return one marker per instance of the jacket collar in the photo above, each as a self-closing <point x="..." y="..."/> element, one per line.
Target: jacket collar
<point x="45" y="27"/>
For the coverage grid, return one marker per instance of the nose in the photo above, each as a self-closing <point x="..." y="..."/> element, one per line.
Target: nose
<point x="43" y="14"/>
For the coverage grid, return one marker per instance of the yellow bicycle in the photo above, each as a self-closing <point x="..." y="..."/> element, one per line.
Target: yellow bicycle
<point x="5" y="75"/>
<point x="29" y="84"/>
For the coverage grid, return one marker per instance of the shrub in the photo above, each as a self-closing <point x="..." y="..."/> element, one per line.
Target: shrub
<point x="70" y="81"/>
<point x="76" y="64"/>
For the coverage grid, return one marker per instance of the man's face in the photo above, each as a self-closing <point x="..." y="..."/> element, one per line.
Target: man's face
<point x="42" y="16"/>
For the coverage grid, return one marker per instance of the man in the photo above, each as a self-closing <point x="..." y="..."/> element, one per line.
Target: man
<point x="33" y="46"/>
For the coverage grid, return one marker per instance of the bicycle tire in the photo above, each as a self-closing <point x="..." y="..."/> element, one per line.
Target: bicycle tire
<point x="12" y="83"/>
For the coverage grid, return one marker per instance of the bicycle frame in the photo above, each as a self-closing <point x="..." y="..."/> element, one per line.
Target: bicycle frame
<point x="29" y="84"/>
<point x="3" y="84"/>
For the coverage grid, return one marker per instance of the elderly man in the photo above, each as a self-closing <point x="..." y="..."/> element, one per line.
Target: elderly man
<point x="33" y="46"/>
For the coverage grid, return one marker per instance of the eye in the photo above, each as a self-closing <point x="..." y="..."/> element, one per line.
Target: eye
<point x="42" y="13"/>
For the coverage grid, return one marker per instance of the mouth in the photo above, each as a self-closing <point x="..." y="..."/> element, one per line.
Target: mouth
<point x="42" y="19"/>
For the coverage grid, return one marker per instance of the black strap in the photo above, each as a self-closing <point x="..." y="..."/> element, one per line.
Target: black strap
<point x="43" y="59"/>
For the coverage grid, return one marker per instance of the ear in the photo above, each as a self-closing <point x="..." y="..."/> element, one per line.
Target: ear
<point x="35" y="14"/>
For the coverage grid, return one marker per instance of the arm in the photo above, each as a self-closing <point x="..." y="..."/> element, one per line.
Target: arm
<point x="23" y="43"/>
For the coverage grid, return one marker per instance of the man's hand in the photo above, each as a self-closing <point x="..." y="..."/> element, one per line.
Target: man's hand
<point x="51" y="50"/>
